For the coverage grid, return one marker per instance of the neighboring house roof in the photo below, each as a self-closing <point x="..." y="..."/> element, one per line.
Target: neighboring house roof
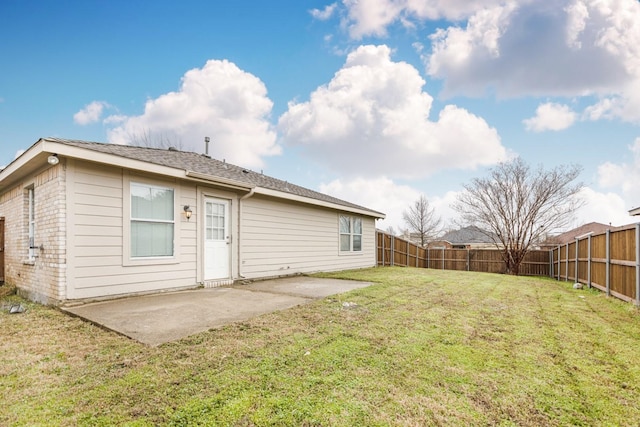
<point x="570" y="236"/>
<point x="466" y="235"/>
<point x="634" y="211"/>
<point x="195" y="166"/>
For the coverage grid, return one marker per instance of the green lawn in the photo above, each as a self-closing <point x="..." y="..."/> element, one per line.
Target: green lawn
<point x="420" y="347"/>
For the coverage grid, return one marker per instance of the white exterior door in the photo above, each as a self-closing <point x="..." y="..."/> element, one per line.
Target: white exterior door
<point x="217" y="239"/>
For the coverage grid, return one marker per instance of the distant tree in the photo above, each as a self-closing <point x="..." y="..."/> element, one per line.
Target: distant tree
<point x="516" y="206"/>
<point x="390" y="230"/>
<point x="149" y="139"/>
<point x="421" y="220"/>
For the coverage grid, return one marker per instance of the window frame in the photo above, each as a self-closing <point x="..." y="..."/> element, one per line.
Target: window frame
<point x="31" y="223"/>
<point x="128" y="258"/>
<point x="352" y="234"/>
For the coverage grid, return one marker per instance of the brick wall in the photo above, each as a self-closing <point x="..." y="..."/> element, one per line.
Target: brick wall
<point x="41" y="278"/>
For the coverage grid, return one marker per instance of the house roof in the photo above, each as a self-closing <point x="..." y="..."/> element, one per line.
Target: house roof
<point x="466" y="235"/>
<point x="570" y="236"/>
<point x="192" y="166"/>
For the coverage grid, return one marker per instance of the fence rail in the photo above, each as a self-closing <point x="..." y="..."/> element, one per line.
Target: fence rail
<point x="609" y="261"/>
<point x="393" y="250"/>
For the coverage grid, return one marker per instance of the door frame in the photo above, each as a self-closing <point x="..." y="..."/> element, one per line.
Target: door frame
<point x="204" y="193"/>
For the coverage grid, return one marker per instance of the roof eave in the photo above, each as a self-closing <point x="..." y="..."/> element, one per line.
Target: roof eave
<point x="229" y="183"/>
<point x="316" y="202"/>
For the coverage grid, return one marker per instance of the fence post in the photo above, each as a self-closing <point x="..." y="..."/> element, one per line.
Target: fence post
<point x="468" y="261"/>
<point x="608" y="264"/>
<point x="443" y="258"/>
<point x="392" y="256"/>
<point x="566" y="263"/>
<point x="559" y="256"/>
<point x="551" y="263"/>
<point x="637" y="264"/>
<point x="576" y="269"/>
<point x="589" y="262"/>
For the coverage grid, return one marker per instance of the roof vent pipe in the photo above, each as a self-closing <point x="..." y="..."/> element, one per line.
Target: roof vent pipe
<point x="206" y="145"/>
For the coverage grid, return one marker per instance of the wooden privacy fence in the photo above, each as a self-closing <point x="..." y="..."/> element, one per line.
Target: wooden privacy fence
<point x="608" y="261"/>
<point x="394" y="250"/>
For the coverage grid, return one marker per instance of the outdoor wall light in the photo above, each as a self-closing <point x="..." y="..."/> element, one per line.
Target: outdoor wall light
<point x="53" y="159"/>
<point x="187" y="212"/>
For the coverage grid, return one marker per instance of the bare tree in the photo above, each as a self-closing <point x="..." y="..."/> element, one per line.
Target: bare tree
<point x="421" y="220"/>
<point x="390" y="230"/>
<point x="516" y="206"/>
<point x="149" y="139"/>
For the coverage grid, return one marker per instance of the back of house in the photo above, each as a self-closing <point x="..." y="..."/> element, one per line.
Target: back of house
<point x="86" y="221"/>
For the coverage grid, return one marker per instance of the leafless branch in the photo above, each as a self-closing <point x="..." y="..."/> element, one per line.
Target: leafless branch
<point x="517" y="206"/>
<point x="420" y="219"/>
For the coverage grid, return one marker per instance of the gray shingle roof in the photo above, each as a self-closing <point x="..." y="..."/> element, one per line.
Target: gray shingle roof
<point x="200" y="163"/>
<point x="466" y="235"/>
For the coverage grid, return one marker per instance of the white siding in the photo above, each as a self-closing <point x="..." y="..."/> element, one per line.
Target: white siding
<point x="96" y="237"/>
<point x="278" y="238"/>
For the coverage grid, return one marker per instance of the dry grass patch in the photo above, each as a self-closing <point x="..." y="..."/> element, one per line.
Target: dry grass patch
<point x="421" y="347"/>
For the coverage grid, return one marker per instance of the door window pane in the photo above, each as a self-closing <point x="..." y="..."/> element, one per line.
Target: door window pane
<point x="215" y="221"/>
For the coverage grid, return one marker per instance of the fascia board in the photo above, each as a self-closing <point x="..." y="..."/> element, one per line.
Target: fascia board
<point x="63" y="150"/>
<point x="22" y="160"/>
<point x="315" y="202"/>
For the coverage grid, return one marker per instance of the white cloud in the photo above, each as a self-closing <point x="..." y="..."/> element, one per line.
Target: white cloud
<point x="91" y="113"/>
<point x="607" y="207"/>
<point x="218" y="100"/>
<point x="372" y="17"/>
<point x="325" y="13"/>
<point x="623" y="177"/>
<point x="384" y="195"/>
<point x="373" y="118"/>
<point x="380" y="194"/>
<point x="624" y="106"/>
<point x="568" y="48"/>
<point x="551" y="116"/>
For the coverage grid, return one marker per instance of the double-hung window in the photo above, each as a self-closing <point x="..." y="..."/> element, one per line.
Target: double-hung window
<point x="152" y="221"/>
<point x="31" y="221"/>
<point x="350" y="234"/>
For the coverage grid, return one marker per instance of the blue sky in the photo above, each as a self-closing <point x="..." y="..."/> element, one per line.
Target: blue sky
<point x="375" y="102"/>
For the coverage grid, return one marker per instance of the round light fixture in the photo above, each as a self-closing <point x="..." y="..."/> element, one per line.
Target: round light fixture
<point x="53" y="159"/>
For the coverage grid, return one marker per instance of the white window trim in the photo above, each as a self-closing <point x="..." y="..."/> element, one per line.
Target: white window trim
<point x="31" y="223"/>
<point x="127" y="258"/>
<point x="350" y="252"/>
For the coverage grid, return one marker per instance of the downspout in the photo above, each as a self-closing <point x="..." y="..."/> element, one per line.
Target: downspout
<point x="245" y="197"/>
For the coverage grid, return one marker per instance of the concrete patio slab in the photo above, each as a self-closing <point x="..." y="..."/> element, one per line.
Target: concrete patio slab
<point x="306" y="287"/>
<point x="160" y="318"/>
